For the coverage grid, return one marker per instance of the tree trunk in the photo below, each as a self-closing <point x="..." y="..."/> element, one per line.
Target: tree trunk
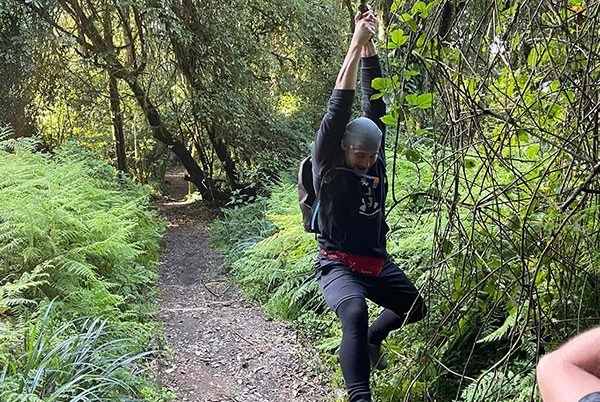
<point x="225" y="157"/>
<point x="351" y="12"/>
<point x="117" y="120"/>
<point x="386" y="13"/>
<point x="187" y="67"/>
<point x="115" y="103"/>
<point x="161" y="133"/>
<point x="93" y="42"/>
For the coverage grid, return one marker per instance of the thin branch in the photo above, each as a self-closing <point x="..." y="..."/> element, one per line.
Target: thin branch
<point x="581" y="187"/>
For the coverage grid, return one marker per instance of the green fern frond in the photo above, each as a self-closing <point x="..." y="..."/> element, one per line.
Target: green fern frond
<point x="78" y="268"/>
<point x="8" y="144"/>
<point x="13" y="245"/>
<point x="12" y="291"/>
<point x="501" y="385"/>
<point x="513" y="319"/>
<point x="5" y="132"/>
<point x="502" y="331"/>
<point x="70" y="236"/>
<point x="26" y="282"/>
<point x="16" y="301"/>
<point x="309" y="289"/>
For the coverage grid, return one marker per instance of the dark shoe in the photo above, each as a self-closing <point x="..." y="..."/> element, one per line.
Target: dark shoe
<point x="378" y="360"/>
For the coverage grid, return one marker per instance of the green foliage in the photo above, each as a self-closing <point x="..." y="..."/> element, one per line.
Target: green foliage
<point x="74" y="232"/>
<point x="279" y="270"/>
<point x="494" y="195"/>
<point x="76" y="229"/>
<point x="79" y="360"/>
<point x="505" y="385"/>
<point x="509" y="150"/>
<point x="10" y="144"/>
<point x="240" y="227"/>
<point x="275" y="266"/>
<point x="210" y="98"/>
<point x="17" y="66"/>
<point x="282" y="48"/>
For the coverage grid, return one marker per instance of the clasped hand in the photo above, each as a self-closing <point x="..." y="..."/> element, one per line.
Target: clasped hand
<point x="366" y="25"/>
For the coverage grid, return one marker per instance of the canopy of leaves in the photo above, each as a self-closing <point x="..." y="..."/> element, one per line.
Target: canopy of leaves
<point x="240" y="85"/>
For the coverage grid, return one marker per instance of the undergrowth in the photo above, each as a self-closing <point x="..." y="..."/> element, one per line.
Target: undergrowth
<point x="74" y="232"/>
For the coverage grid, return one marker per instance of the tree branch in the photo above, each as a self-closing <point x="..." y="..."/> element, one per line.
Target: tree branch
<point x="581" y="188"/>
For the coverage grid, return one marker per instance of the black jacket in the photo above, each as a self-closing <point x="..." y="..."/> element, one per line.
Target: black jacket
<point x="352" y="211"/>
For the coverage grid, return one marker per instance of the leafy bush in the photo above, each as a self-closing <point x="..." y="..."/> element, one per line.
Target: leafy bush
<point x="72" y="232"/>
<point x="80" y="360"/>
<point x="72" y="237"/>
<point x="241" y="227"/>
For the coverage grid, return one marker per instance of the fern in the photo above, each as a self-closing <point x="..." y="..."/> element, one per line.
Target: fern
<point x="505" y="386"/>
<point x="78" y="232"/>
<point x="78" y="269"/>
<point x="68" y="235"/>
<point x="9" y="144"/>
<point x="502" y="331"/>
<point x="5" y="133"/>
<point x="11" y="293"/>
<point x="307" y="290"/>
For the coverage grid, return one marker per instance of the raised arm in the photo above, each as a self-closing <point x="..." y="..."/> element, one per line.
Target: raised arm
<point x="360" y="45"/>
<point x="327" y="146"/>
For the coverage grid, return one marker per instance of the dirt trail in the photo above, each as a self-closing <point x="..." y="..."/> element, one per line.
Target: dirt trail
<point x="224" y="349"/>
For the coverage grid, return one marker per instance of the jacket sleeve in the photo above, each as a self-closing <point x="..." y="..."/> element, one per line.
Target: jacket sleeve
<point x="373" y="109"/>
<point x="327" y="146"/>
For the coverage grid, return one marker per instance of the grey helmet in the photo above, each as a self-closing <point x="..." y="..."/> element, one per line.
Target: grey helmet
<point x="362" y="133"/>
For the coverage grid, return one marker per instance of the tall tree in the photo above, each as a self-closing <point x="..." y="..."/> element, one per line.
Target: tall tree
<point x="16" y="68"/>
<point x="242" y="85"/>
<point x="85" y="26"/>
<point x="248" y="51"/>
<point x="115" y="103"/>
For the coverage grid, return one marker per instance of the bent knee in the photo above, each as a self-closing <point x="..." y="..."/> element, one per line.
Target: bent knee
<point x="353" y="310"/>
<point x="546" y="366"/>
<point x="418" y="310"/>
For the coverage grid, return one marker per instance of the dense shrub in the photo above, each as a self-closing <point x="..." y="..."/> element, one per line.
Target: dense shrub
<point x="75" y="233"/>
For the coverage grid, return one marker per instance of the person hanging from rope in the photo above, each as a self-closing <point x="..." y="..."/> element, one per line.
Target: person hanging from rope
<point x="572" y="372"/>
<point x="353" y="264"/>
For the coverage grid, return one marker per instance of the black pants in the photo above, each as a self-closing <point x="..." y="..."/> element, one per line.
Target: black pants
<point x="346" y="292"/>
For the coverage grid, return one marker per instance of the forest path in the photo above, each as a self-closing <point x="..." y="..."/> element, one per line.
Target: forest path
<point x="224" y="349"/>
